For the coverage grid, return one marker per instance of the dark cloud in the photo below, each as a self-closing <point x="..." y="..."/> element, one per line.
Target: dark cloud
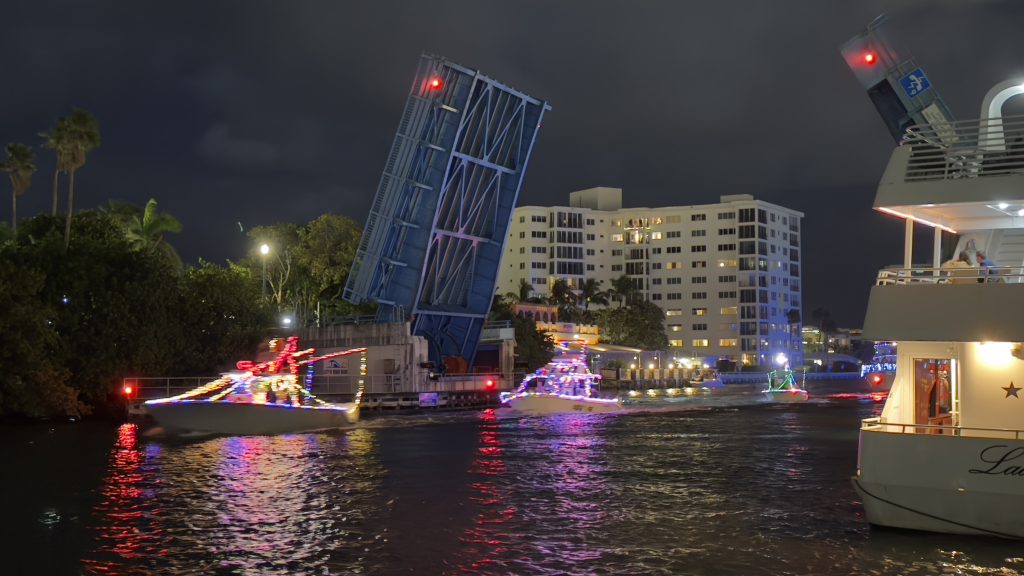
<point x="260" y="111"/>
<point x="220" y="147"/>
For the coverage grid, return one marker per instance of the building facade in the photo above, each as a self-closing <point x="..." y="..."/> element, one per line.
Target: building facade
<point x="727" y="275"/>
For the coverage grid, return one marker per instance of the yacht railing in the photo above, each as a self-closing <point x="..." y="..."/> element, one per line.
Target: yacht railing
<point x="876" y="425"/>
<point x="949" y="275"/>
<point x="965" y="149"/>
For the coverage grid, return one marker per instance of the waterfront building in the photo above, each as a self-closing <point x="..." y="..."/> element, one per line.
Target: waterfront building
<point x="726" y="275"/>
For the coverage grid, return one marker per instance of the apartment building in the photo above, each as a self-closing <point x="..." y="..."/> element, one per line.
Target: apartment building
<point x="725" y="274"/>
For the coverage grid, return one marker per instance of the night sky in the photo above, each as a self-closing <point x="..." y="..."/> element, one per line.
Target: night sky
<point x="248" y="113"/>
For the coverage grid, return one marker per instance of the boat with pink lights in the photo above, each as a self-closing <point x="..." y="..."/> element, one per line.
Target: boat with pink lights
<point x="564" y="385"/>
<point x="260" y="398"/>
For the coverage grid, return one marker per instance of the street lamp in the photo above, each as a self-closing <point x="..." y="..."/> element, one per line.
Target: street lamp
<point x="264" y="250"/>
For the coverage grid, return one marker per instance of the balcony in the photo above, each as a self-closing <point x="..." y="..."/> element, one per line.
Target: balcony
<point x="947" y="305"/>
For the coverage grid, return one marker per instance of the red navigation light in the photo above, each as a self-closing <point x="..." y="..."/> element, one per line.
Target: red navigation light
<point x="876" y="379"/>
<point x="490" y="384"/>
<point x="870" y="57"/>
<point x="128" y="389"/>
<point x="434" y="83"/>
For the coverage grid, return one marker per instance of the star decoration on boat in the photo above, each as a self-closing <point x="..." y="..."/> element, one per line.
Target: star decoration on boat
<point x="1012" y="390"/>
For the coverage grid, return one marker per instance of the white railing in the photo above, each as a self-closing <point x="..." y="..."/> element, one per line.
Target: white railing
<point x="876" y="425"/>
<point x="971" y="275"/>
<point x="965" y="149"/>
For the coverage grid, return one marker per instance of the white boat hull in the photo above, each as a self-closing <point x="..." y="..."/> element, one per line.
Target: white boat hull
<point x="785" y="395"/>
<point x="942" y="483"/>
<point x="239" y="418"/>
<point x="557" y="404"/>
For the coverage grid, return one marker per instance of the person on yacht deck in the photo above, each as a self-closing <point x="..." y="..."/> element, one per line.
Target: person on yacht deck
<point x="959" y="270"/>
<point x="987" y="272"/>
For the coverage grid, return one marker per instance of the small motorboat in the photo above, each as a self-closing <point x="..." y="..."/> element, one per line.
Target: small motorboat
<point x="782" y="387"/>
<point x="260" y="398"/>
<point x="564" y="385"/>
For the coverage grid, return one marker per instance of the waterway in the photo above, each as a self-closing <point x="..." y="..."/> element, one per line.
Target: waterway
<point x="707" y="485"/>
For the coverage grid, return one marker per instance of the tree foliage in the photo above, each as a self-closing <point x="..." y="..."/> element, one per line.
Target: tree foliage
<point x="80" y="321"/>
<point x="307" y="266"/>
<point x="144" y="228"/>
<point x="638" y="325"/>
<point x="534" y="348"/>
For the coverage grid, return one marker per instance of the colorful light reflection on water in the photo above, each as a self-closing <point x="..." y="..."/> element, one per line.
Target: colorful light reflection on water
<point x="255" y="504"/>
<point x="753" y="490"/>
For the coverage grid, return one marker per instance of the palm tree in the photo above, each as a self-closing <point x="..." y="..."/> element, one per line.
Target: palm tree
<point x="144" y="229"/>
<point x="820" y="316"/>
<point x="623" y="290"/>
<point x="793" y="318"/>
<point x="591" y="292"/>
<point x="525" y="289"/>
<point x="57" y="140"/>
<point x="20" y="165"/>
<point x="73" y="138"/>
<point x="561" y="294"/>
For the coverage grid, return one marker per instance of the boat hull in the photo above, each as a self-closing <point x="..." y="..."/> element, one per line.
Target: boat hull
<point x="942" y="483"/>
<point x="556" y="404"/>
<point x="785" y="396"/>
<point x="239" y="418"/>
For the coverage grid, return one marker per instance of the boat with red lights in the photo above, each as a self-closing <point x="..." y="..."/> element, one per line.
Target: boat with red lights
<point x="259" y="398"/>
<point x="564" y="385"/>
<point x="882" y="369"/>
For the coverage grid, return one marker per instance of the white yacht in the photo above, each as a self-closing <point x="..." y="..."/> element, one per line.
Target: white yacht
<point x="260" y="398"/>
<point x="565" y="384"/>
<point x="947" y="453"/>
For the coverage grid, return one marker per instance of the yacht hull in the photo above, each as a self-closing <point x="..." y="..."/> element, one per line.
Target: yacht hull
<point x="240" y="418"/>
<point x="557" y="404"/>
<point x="942" y="483"/>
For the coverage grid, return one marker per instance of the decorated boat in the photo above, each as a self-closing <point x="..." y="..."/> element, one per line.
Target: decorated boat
<point x="880" y="372"/>
<point x="782" y="384"/>
<point x="269" y="397"/>
<point x="564" y="385"/>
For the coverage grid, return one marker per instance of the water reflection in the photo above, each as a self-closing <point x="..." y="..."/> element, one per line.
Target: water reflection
<point x="488" y="537"/>
<point x="292" y="504"/>
<point x="756" y="490"/>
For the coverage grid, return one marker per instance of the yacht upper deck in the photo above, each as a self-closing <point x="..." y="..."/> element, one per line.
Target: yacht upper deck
<point x="958" y="176"/>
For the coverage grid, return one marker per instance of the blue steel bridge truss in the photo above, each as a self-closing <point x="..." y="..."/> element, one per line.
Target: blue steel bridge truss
<point x="433" y="240"/>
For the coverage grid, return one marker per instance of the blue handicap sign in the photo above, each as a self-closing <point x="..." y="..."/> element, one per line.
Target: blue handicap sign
<point x="915" y="83"/>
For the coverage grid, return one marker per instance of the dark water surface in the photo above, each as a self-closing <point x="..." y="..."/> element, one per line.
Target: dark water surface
<point x="715" y="486"/>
